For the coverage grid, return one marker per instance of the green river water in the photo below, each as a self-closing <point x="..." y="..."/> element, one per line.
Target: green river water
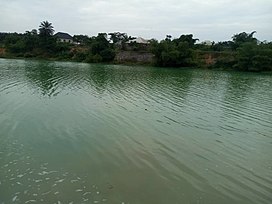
<point x="90" y="133"/>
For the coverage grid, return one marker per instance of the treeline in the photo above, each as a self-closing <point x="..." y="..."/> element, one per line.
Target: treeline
<point x="43" y="44"/>
<point x="243" y="52"/>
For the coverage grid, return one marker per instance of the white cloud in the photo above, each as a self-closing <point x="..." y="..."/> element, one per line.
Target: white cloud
<point x="209" y="19"/>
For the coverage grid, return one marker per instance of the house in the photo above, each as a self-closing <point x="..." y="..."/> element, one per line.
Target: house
<point x="64" y="37"/>
<point x="139" y="40"/>
<point x="207" y="42"/>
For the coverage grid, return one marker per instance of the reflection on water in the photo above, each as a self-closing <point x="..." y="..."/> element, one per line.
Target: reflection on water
<point x="81" y="133"/>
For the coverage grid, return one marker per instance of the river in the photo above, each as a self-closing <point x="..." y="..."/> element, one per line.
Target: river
<point x="92" y="133"/>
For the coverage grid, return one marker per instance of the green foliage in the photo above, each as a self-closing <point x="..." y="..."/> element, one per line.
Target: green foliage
<point x="175" y="53"/>
<point x="101" y="46"/>
<point x="241" y="38"/>
<point x="94" y="58"/>
<point x="225" y="60"/>
<point x="253" y="57"/>
<point x="186" y="38"/>
<point x="46" y="29"/>
<point x="244" y="52"/>
<point x="81" y="39"/>
<point x="223" y="46"/>
<point x="31" y="40"/>
<point x="107" y="55"/>
<point x="118" y="37"/>
<point x="80" y="56"/>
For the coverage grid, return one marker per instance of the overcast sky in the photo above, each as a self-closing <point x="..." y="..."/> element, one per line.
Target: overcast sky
<point x="207" y="19"/>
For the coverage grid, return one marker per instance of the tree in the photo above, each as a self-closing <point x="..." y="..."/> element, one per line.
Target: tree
<point x="101" y="49"/>
<point x="34" y="32"/>
<point x="253" y="57"/>
<point x="46" y="29"/>
<point x="175" y="53"/>
<point x="186" y="38"/>
<point x="82" y="39"/>
<point x="242" y="38"/>
<point x="222" y="46"/>
<point x="118" y="37"/>
<point x="31" y="40"/>
<point x="47" y="41"/>
<point x="168" y="37"/>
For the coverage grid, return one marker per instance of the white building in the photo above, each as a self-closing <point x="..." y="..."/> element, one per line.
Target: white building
<point x="139" y="40"/>
<point x="64" y="37"/>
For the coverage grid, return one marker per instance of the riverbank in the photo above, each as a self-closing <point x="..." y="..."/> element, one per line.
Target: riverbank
<point x="243" y="52"/>
<point x="225" y="60"/>
<point x="205" y="59"/>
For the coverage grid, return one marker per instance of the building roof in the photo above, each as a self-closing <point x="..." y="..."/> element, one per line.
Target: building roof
<point x="64" y="36"/>
<point x="139" y="40"/>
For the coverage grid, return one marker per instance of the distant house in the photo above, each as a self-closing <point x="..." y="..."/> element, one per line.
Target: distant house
<point x="207" y="42"/>
<point x="139" y="40"/>
<point x="64" y="37"/>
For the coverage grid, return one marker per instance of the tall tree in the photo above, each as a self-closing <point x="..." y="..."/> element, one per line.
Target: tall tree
<point x="46" y="29"/>
<point x="186" y="38"/>
<point x="47" y="41"/>
<point x="242" y="38"/>
<point x="118" y="37"/>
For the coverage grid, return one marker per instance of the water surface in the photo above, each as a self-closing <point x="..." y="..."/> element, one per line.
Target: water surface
<point x="88" y="133"/>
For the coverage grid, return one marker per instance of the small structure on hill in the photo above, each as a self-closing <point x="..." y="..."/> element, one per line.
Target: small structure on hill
<point x="207" y="42"/>
<point x="139" y="40"/>
<point x="64" y="37"/>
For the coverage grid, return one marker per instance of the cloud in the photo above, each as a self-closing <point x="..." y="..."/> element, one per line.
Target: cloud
<point x="209" y="19"/>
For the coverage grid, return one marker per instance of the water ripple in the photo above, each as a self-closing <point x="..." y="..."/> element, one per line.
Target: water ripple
<point x="75" y="132"/>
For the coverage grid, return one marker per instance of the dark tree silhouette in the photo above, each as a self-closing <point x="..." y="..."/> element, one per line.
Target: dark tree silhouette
<point x="46" y="29"/>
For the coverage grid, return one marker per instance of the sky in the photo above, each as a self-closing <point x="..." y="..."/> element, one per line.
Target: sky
<point x="215" y="20"/>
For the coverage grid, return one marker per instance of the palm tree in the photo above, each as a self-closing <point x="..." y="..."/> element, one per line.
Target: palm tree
<point x="46" y="29"/>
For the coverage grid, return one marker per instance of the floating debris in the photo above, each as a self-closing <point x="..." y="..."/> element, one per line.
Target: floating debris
<point x="46" y="193"/>
<point x="14" y="198"/>
<point x="86" y="193"/>
<point x="46" y="173"/>
<point x="60" y="181"/>
<point x="65" y="174"/>
<point x="79" y="190"/>
<point x="30" y="201"/>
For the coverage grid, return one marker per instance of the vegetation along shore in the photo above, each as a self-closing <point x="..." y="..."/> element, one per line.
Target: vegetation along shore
<point x="244" y="52"/>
